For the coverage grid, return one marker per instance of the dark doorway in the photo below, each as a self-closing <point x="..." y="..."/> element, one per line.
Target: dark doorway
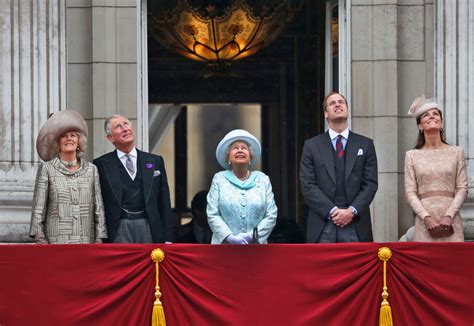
<point x="286" y="79"/>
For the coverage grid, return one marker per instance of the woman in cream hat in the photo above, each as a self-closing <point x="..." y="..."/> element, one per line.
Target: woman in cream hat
<point x="435" y="177"/>
<point x="240" y="204"/>
<point x="67" y="202"/>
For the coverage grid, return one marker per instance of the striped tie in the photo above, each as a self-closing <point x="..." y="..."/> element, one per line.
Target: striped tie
<point x="129" y="165"/>
<point x="339" y="147"/>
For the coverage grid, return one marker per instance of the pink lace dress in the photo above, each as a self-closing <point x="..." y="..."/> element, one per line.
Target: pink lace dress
<point x="436" y="185"/>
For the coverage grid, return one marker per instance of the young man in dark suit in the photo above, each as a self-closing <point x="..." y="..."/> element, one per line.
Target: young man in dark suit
<point x="134" y="188"/>
<point x="338" y="175"/>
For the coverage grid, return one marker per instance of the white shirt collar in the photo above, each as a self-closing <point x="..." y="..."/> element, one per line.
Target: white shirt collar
<point x="132" y="153"/>
<point x="333" y="134"/>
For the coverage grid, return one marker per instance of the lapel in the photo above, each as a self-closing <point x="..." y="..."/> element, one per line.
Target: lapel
<point x="326" y="150"/>
<point x="112" y="172"/>
<point x="147" y="166"/>
<point x="351" y="149"/>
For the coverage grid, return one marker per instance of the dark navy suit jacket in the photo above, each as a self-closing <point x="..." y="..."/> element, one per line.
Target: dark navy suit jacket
<point x="318" y="182"/>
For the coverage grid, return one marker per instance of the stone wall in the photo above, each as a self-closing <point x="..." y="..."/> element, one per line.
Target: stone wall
<point x="389" y="68"/>
<point x="400" y="50"/>
<point x="455" y="85"/>
<point x="102" y="64"/>
<point x="32" y="84"/>
<point x="80" y="54"/>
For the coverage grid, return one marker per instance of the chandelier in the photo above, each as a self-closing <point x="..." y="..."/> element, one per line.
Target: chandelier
<point x="218" y="32"/>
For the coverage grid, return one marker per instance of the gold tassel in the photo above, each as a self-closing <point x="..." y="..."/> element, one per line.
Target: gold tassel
<point x="158" y="315"/>
<point x="385" y="311"/>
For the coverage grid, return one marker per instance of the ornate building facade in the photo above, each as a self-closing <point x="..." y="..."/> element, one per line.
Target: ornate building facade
<point x="91" y="55"/>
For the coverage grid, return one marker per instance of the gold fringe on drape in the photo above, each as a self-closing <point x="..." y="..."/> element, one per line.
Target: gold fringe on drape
<point x="158" y="315"/>
<point x="385" y="311"/>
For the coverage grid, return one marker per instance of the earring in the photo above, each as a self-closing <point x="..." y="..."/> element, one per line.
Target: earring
<point x="250" y="162"/>
<point x="421" y="131"/>
<point x="228" y="162"/>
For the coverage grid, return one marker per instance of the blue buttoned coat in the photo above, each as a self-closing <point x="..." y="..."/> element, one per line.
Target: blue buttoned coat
<point x="233" y="210"/>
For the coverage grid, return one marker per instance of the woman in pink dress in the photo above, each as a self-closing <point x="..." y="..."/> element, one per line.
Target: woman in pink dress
<point x="435" y="177"/>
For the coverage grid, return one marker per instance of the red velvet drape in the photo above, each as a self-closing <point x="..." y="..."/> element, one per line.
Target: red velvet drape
<point x="333" y="284"/>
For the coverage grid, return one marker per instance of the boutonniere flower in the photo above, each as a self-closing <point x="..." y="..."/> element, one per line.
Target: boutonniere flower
<point x="149" y="166"/>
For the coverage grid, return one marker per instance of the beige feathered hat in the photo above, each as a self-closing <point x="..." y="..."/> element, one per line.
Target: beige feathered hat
<point x="421" y="104"/>
<point x="57" y="124"/>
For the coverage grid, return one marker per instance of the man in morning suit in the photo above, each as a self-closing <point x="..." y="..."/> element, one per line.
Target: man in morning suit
<point x="134" y="189"/>
<point x="338" y="175"/>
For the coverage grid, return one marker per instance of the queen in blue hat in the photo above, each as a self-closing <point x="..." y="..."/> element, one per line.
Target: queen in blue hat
<point x="240" y="205"/>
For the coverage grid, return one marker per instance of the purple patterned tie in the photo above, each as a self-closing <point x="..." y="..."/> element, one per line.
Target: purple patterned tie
<point x="339" y="147"/>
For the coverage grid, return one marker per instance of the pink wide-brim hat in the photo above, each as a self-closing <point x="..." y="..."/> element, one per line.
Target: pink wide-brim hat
<point x="421" y="104"/>
<point x="57" y="124"/>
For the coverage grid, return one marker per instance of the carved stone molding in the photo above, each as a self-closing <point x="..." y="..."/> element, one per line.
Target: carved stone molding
<point x="32" y="84"/>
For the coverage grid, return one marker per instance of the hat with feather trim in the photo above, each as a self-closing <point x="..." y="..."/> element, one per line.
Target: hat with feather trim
<point x="421" y="104"/>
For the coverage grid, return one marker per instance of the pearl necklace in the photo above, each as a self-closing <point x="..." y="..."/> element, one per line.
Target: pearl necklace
<point x="246" y="176"/>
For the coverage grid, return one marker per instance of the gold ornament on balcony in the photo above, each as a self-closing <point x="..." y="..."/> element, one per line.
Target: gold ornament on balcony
<point x="219" y="32"/>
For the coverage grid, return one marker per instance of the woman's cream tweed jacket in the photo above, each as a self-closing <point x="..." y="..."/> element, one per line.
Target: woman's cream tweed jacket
<point x="67" y="206"/>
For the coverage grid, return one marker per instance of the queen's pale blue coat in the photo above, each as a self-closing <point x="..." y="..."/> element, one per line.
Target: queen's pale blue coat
<point x="232" y="209"/>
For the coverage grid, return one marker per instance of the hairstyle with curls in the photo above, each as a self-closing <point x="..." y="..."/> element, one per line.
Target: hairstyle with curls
<point x="420" y="141"/>
<point x="108" y="127"/>
<point x="227" y="150"/>
<point x="81" y="144"/>
<point x="325" y="101"/>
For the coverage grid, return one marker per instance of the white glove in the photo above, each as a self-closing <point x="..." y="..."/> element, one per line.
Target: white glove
<point x="236" y="239"/>
<point x="246" y="236"/>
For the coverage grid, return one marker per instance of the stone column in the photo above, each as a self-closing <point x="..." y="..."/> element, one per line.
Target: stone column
<point x="392" y="63"/>
<point x="455" y="85"/>
<point x="102" y="65"/>
<point x="32" y="84"/>
<point x="375" y="103"/>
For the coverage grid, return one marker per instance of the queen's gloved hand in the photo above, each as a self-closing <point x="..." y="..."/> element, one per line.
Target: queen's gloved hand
<point x="236" y="239"/>
<point x="246" y="236"/>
